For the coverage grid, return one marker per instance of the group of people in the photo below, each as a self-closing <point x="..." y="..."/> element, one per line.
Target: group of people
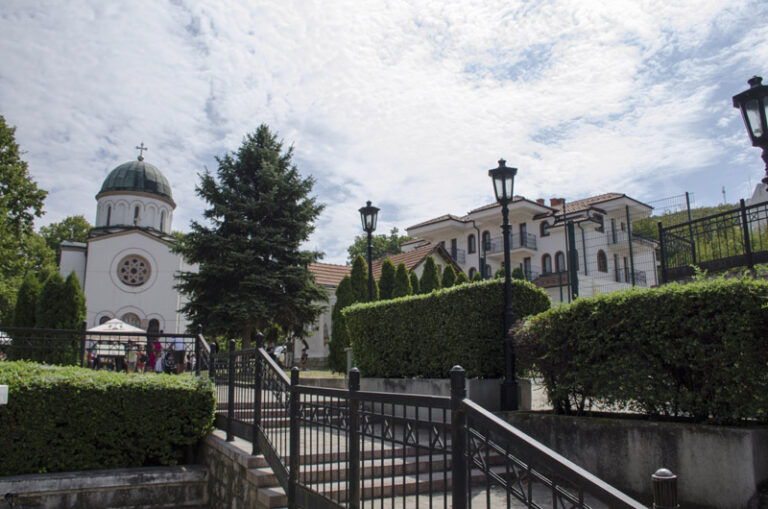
<point x="136" y="357"/>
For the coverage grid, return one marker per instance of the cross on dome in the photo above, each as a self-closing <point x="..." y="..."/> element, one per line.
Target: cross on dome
<point x="141" y="148"/>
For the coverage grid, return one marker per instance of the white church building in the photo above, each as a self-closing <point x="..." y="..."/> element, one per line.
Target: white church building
<point x="127" y="267"/>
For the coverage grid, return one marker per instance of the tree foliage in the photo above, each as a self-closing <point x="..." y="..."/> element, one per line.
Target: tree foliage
<point x="359" y="276"/>
<point x="252" y="272"/>
<point x="73" y="302"/>
<point x="415" y="285"/>
<point x="337" y="357"/>
<point x="26" y="301"/>
<point x="20" y="202"/>
<point x="387" y="280"/>
<point x="74" y="228"/>
<point x="402" y="287"/>
<point x="430" y="278"/>
<point x="381" y="245"/>
<point x="477" y="277"/>
<point x="461" y="278"/>
<point x="449" y="277"/>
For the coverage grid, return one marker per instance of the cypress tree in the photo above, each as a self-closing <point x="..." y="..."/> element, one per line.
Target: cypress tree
<point x="402" y="282"/>
<point x="359" y="276"/>
<point x="337" y="357"/>
<point x="26" y="301"/>
<point x="387" y="280"/>
<point x="449" y="277"/>
<point x="73" y="302"/>
<point x="51" y="311"/>
<point x="477" y="277"/>
<point x="414" y="283"/>
<point x="461" y="279"/>
<point x="430" y="279"/>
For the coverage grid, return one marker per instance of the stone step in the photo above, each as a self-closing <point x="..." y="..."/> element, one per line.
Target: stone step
<point x="375" y="468"/>
<point x="272" y="497"/>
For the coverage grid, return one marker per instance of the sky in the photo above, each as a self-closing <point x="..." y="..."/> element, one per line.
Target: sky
<point x="406" y="104"/>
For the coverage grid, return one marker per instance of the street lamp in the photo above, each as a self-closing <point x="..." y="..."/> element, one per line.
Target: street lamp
<point x="503" y="186"/>
<point x="753" y="103"/>
<point x="369" y="215"/>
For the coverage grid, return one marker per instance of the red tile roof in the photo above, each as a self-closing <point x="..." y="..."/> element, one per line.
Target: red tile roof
<point x="328" y="274"/>
<point x="412" y="258"/>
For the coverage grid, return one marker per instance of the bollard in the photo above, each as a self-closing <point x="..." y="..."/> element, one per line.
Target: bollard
<point x="664" y="489"/>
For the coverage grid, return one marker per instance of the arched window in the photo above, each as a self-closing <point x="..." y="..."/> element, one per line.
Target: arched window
<point x="109" y="214"/>
<point x="131" y="319"/>
<point x="153" y="325"/>
<point x="471" y="247"/>
<point x="602" y="261"/>
<point x="136" y="216"/>
<point x="103" y="319"/>
<point x="471" y="273"/>
<point x="559" y="262"/>
<point x="162" y="221"/>
<point x="544" y="229"/>
<point x="486" y="240"/>
<point x="546" y="264"/>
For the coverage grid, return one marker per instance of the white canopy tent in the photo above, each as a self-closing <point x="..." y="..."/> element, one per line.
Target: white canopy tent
<point x="112" y="344"/>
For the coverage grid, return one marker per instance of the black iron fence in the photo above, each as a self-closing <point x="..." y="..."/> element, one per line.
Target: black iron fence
<point x="735" y="238"/>
<point x="112" y="350"/>
<point x="351" y="448"/>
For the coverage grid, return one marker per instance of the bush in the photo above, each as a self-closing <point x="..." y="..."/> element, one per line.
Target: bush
<point x="337" y="357"/>
<point x="387" y="280"/>
<point x="697" y="351"/>
<point x="402" y="282"/>
<point x="62" y="419"/>
<point x="425" y="335"/>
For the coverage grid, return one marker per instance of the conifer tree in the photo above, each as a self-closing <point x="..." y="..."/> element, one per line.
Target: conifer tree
<point x="402" y="285"/>
<point x="337" y="357"/>
<point x="430" y="279"/>
<point x="26" y="301"/>
<point x="449" y="277"/>
<point x="252" y="272"/>
<point x="359" y="276"/>
<point x="50" y="312"/>
<point x="73" y="302"/>
<point x="477" y="277"/>
<point x="461" y="278"/>
<point x="387" y="280"/>
<point x="415" y="290"/>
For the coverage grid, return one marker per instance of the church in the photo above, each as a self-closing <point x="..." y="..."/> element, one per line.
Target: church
<point x="127" y="267"/>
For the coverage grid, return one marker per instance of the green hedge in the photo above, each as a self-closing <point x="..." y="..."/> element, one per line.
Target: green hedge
<point x="696" y="351"/>
<point x="426" y="335"/>
<point x="64" y="418"/>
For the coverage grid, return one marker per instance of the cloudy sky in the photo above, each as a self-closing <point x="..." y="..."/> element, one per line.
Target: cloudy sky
<point x="406" y="104"/>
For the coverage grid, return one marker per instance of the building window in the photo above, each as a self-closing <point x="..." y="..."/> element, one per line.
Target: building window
<point x="546" y="264"/>
<point x="626" y="269"/>
<point x="134" y="270"/>
<point x="602" y="261"/>
<point x="559" y="262"/>
<point x="471" y="273"/>
<point x="131" y="319"/>
<point x="109" y="214"/>
<point x="162" y="221"/>
<point x="486" y="241"/>
<point x="136" y="216"/>
<point x="471" y="247"/>
<point x="614" y="238"/>
<point x="617" y="267"/>
<point x="523" y="233"/>
<point x="544" y="229"/>
<point x="442" y="244"/>
<point x="488" y="271"/>
<point x="103" y="319"/>
<point x="454" y="248"/>
<point x="153" y="325"/>
<point x="527" y="268"/>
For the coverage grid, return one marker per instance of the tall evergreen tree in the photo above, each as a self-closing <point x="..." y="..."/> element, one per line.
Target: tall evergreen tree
<point x="415" y="287"/>
<point x="477" y="277"/>
<point x="430" y="278"/>
<point x="461" y="278"/>
<point x="26" y="301"/>
<point x="387" y="280"/>
<point x="402" y="285"/>
<point x="73" y="302"/>
<point x="51" y="312"/>
<point x="252" y="272"/>
<point x="449" y="277"/>
<point x="359" y="277"/>
<point x="337" y="357"/>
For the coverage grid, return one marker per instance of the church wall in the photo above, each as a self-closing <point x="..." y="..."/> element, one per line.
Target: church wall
<point x="150" y="210"/>
<point x="108" y="295"/>
<point x="73" y="259"/>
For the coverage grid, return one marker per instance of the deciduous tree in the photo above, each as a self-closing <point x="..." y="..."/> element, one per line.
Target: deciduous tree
<point x="70" y="228"/>
<point x="381" y="245"/>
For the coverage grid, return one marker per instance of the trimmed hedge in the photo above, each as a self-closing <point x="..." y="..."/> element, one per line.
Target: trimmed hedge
<point x="62" y="419"/>
<point x="697" y="351"/>
<point x="426" y="335"/>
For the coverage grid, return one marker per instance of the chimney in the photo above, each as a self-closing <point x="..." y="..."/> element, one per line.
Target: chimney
<point x="540" y="201"/>
<point x="556" y="203"/>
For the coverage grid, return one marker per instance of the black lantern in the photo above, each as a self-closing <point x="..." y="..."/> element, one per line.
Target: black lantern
<point x="503" y="182"/>
<point x="369" y="215"/>
<point x="753" y="103"/>
<point x="504" y="185"/>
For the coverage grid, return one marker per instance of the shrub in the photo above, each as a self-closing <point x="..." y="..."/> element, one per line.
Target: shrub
<point x="430" y="278"/>
<point x="26" y="301"/>
<point x="64" y="418"/>
<point x="387" y="280"/>
<point x="415" y="287"/>
<point x="461" y="279"/>
<point x="425" y="335"/>
<point x="402" y="282"/>
<point x="337" y="357"/>
<point x="449" y="277"/>
<point x="697" y="351"/>
<point x="359" y="275"/>
<point x="477" y="277"/>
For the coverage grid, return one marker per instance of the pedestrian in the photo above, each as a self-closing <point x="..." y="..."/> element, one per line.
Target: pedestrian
<point x="131" y="357"/>
<point x="179" y="349"/>
<point x="142" y="361"/>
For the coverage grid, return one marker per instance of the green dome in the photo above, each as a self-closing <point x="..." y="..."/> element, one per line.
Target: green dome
<point x="137" y="176"/>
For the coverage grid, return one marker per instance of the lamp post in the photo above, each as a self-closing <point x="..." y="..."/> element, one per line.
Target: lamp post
<point x="503" y="186"/>
<point x="752" y="103"/>
<point x="369" y="215"/>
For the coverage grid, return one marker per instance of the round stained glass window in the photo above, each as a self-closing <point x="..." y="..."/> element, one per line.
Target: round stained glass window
<point x="134" y="270"/>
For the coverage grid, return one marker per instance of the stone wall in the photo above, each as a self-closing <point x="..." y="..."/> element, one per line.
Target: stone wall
<point x="231" y="479"/>
<point x="717" y="466"/>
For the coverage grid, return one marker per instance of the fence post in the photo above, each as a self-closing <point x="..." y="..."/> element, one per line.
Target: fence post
<point x="83" y="328"/>
<point x="231" y="391"/>
<point x="294" y="450"/>
<point x="664" y="489"/>
<point x="458" y="422"/>
<point x="745" y="229"/>
<point x="198" y="335"/>
<point x="257" y="375"/>
<point x="690" y="227"/>
<point x="354" y="439"/>
<point x="662" y="253"/>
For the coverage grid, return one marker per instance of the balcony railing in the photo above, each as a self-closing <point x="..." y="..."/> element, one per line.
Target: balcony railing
<point x="516" y="241"/>
<point x="459" y="255"/>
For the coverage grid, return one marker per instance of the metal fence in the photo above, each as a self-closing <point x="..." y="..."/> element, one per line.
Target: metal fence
<point x="110" y="350"/>
<point x="351" y="448"/>
<point x="730" y="239"/>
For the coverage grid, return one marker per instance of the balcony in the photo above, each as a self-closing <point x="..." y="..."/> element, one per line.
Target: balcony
<point x="459" y="255"/>
<point x="516" y="241"/>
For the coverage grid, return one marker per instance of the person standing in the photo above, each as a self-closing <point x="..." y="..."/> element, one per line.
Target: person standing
<point x="179" y="349"/>
<point x="131" y="357"/>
